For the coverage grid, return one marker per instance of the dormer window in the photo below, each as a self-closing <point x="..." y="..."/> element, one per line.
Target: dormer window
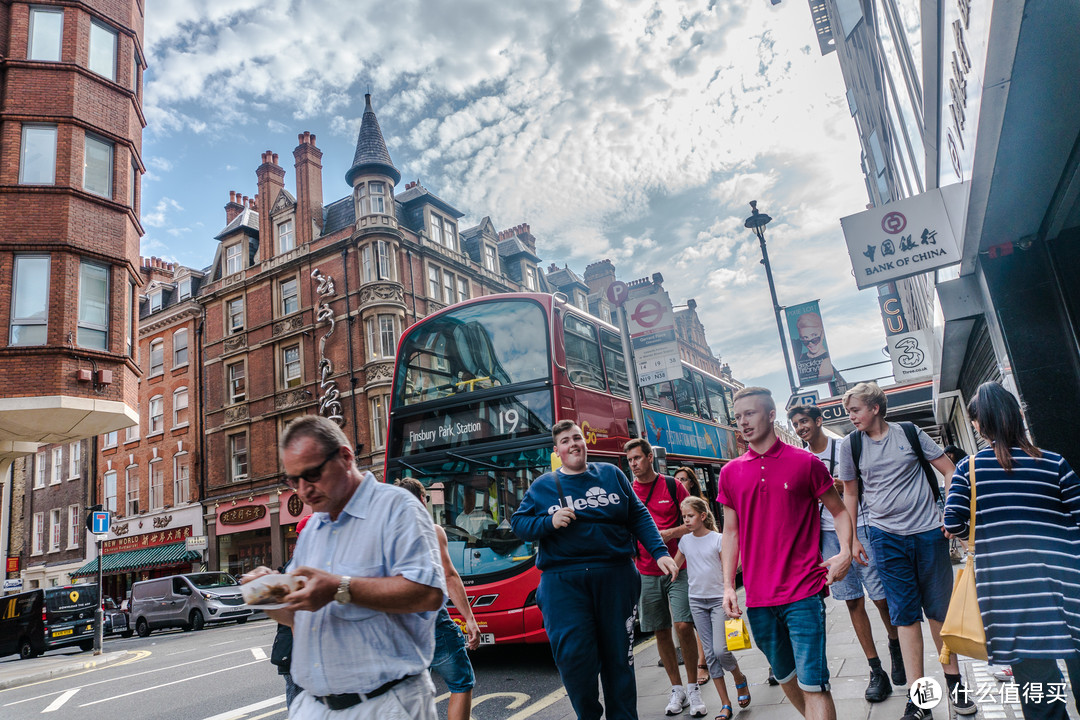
<point x="286" y="236"/>
<point x="232" y="259"/>
<point x="530" y="278"/>
<point x="489" y="258"/>
<point x="155" y="301"/>
<point x="184" y="288"/>
<point x="436" y="229"/>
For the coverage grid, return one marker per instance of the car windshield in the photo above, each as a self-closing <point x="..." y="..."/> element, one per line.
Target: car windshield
<point x="211" y="580"/>
<point x="473" y="502"/>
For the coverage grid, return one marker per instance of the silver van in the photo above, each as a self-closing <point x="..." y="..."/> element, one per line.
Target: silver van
<point x="186" y="601"/>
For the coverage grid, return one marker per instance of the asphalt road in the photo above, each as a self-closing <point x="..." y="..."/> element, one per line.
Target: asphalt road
<point x="223" y="673"/>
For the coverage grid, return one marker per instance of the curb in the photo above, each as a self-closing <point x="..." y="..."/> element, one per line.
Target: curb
<point x="59" y="670"/>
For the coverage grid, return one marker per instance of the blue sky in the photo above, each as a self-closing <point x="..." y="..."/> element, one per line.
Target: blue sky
<point x="632" y="130"/>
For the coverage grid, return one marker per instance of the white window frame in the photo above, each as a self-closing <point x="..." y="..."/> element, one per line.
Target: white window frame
<point x="75" y="526"/>
<point x="57" y="466"/>
<point x="434" y="285"/>
<point x="55" y="525"/>
<point x="286" y="234"/>
<point x="378" y="422"/>
<point x="365" y="264"/>
<point x="490" y="258"/>
<point x="384" y="269"/>
<point x="109" y="440"/>
<point x="361" y="199"/>
<point x="180" y="344"/>
<point x="131" y="496"/>
<point x="180" y="403"/>
<point x="291" y="370"/>
<point x="184" y="289"/>
<point x="157" y="357"/>
<point x="89" y="329"/>
<point x="448" y="288"/>
<point x="156" y="415"/>
<point x="234" y="262"/>
<point x="449" y="234"/>
<point x="40" y="469"/>
<point x="181" y="481"/>
<point x="157" y="484"/>
<point x="287" y="294"/>
<point x="377" y="197"/>
<point x="387" y="336"/>
<point x="155" y="300"/>
<point x="74" y="460"/>
<point x="45" y="171"/>
<point x="234" y="380"/>
<point x="231" y="316"/>
<point x="110" y="500"/>
<point x="238" y="457"/>
<point x="37" y="51"/>
<point x="41" y="300"/>
<point x="436" y="229"/>
<point x="90" y="182"/>
<point x="530" y="278"/>
<point x="462" y="288"/>
<point x="131" y="433"/>
<point x="38" y="533"/>
<point x="100" y="32"/>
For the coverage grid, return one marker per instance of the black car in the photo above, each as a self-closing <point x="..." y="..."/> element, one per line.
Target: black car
<point x="44" y="619"/>
<point x="115" y="620"/>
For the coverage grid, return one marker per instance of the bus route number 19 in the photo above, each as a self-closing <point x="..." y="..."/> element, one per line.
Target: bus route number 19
<point x="508" y="421"/>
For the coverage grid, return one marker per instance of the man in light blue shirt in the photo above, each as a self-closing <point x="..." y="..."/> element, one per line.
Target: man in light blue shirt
<point x="364" y="622"/>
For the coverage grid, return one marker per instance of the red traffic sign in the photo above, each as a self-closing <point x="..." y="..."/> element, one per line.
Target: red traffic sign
<point x="617" y="293"/>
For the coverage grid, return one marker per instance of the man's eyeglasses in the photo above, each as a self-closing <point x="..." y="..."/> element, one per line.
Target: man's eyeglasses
<point x="312" y="475"/>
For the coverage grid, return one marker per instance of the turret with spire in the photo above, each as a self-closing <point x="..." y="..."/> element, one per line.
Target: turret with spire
<point x="371" y="156"/>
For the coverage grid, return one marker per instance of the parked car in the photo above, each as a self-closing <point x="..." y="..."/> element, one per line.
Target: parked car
<point x="186" y="601"/>
<point x="48" y="618"/>
<point x="116" y="619"/>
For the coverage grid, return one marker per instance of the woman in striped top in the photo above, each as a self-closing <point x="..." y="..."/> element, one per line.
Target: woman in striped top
<point x="1027" y="552"/>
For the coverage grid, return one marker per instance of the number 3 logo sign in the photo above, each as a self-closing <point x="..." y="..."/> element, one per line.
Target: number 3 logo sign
<point x="912" y="356"/>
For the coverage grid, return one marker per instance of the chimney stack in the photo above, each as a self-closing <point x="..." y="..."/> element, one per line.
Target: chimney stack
<point x="309" y="200"/>
<point x="233" y="207"/>
<point x="271" y="177"/>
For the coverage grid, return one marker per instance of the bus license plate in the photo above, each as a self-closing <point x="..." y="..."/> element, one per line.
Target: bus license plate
<point x="61" y="633"/>
<point x="487" y="638"/>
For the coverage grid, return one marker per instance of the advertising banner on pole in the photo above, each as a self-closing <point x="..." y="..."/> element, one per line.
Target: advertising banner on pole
<point x="651" y="322"/>
<point x="808" y="345"/>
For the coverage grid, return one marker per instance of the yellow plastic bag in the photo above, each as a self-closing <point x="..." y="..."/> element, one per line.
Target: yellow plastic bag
<point x="738" y="636"/>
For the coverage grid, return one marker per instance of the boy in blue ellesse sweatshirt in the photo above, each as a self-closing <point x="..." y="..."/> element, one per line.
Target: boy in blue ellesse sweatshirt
<point x="585" y="517"/>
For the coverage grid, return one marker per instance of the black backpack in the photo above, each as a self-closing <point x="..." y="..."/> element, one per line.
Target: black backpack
<point x="912" y="434"/>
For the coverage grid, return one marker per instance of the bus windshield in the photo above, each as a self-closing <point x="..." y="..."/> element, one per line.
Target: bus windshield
<point x="473" y="348"/>
<point x="472" y="497"/>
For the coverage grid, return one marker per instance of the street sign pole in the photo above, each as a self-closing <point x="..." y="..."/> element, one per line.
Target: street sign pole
<point x="99" y="631"/>
<point x="631" y="372"/>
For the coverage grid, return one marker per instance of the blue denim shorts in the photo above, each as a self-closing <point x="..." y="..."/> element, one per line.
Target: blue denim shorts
<point x="858" y="577"/>
<point x="792" y="637"/>
<point x="916" y="572"/>
<point x="451" y="659"/>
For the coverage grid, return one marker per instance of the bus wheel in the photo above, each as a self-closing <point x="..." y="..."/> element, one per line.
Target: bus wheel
<point x="26" y="649"/>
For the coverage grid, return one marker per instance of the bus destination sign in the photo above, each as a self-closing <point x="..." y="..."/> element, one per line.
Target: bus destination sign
<point x="486" y="420"/>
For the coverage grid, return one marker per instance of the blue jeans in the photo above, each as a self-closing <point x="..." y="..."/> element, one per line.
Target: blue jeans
<point x="858" y="577"/>
<point x="917" y="574"/>
<point x="451" y="658"/>
<point x="792" y="637"/>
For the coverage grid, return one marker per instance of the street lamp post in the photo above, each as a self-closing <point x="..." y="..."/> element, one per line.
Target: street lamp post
<point x="757" y="222"/>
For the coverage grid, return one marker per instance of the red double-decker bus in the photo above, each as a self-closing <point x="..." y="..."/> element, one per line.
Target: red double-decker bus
<point x="477" y="387"/>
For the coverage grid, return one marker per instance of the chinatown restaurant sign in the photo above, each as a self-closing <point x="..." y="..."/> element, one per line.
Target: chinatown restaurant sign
<point x="903" y="238"/>
<point x="146" y="540"/>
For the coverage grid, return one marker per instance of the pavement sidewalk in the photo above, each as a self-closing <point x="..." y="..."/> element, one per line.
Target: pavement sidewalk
<point x="15" y="673"/>
<point x="849" y="675"/>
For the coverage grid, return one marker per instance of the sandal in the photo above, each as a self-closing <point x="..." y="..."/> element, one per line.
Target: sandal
<point x="703" y="672"/>
<point x="725" y="709"/>
<point x="744" y="697"/>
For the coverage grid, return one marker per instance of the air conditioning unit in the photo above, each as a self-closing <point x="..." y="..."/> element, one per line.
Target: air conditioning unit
<point x="103" y="377"/>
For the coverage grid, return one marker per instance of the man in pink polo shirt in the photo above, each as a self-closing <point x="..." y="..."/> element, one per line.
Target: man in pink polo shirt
<point x="771" y="519"/>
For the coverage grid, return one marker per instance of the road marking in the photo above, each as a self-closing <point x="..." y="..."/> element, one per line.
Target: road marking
<point x="59" y="702"/>
<point x="517" y="699"/>
<point x="122" y="677"/>
<point x="174" y="682"/>
<point x="283" y="708"/>
<point x="139" y="655"/>
<point x="221" y="643"/>
<point x="254" y="707"/>
<point x="259" y="653"/>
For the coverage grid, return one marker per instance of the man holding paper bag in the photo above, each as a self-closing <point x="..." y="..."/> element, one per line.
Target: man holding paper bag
<point x="770" y="497"/>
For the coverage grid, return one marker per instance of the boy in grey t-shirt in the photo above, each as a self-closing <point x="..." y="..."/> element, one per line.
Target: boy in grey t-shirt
<point x="909" y="546"/>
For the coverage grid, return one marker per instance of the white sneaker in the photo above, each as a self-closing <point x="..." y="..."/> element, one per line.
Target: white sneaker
<point x="697" y="705"/>
<point x="677" y="702"/>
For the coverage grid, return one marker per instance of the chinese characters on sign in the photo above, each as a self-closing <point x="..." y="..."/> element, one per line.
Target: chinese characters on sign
<point x="329" y="404"/>
<point x="901" y="239"/>
<point x="146" y="540"/>
<point x="808" y="343"/>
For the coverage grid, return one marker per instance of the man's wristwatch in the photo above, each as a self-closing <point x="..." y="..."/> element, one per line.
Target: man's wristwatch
<point x="343" y="595"/>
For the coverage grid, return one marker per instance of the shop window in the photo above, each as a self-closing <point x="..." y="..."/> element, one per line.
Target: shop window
<point x="30" y="307"/>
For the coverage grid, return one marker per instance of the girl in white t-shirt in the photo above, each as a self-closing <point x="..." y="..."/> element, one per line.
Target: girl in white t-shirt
<point x="701" y="551"/>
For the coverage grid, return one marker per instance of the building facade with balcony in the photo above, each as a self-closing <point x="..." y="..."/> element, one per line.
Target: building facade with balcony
<point x="304" y="304"/>
<point x="71" y="124"/>
<point x="147" y="474"/>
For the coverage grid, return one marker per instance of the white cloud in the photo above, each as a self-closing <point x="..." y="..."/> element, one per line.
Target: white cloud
<point x="157" y="217"/>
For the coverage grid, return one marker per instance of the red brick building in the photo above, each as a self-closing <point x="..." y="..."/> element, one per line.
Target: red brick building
<point x="304" y="304"/>
<point x="71" y="125"/>
<point x="147" y="474"/>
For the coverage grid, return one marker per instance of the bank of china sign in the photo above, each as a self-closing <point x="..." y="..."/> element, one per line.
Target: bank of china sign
<point x="904" y="238"/>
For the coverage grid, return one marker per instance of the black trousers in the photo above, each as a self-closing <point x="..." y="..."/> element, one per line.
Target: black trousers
<point x="1045" y="673"/>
